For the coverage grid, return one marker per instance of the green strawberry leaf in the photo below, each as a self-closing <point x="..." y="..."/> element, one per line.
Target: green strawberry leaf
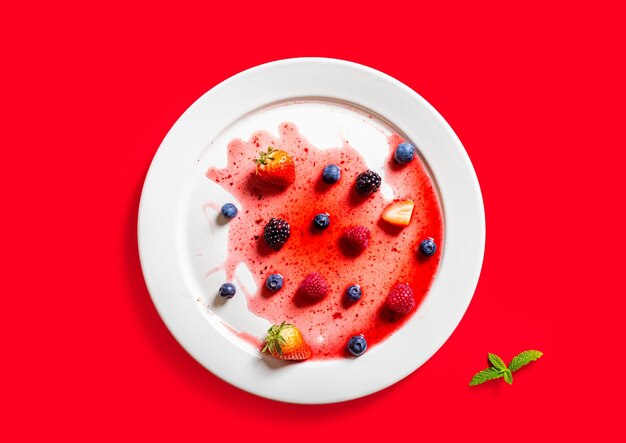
<point x="508" y="377"/>
<point x="497" y="362"/>
<point x="523" y="359"/>
<point x="485" y="375"/>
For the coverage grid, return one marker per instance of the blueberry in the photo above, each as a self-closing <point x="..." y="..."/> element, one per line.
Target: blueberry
<point x="321" y="221"/>
<point x="354" y="292"/>
<point x="357" y="345"/>
<point x="428" y="247"/>
<point x="229" y="210"/>
<point x="404" y="153"/>
<point x="274" y="282"/>
<point x="227" y="290"/>
<point x="331" y="174"/>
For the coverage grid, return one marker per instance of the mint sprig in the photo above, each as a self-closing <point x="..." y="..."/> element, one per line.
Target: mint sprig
<point x="523" y="359"/>
<point x="497" y="362"/>
<point x="508" y="376"/>
<point x="485" y="375"/>
<point x="499" y="369"/>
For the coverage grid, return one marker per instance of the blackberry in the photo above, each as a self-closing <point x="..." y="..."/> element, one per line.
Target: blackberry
<point x="367" y="182"/>
<point x="276" y="233"/>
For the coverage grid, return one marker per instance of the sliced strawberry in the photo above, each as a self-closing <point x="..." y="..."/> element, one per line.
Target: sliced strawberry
<point x="276" y="167"/>
<point x="399" y="213"/>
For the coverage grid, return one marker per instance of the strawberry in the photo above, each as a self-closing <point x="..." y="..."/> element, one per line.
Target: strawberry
<point x="314" y="287"/>
<point x="357" y="238"/>
<point x="275" y="167"/>
<point x="400" y="299"/>
<point x="399" y="213"/>
<point x="285" y="341"/>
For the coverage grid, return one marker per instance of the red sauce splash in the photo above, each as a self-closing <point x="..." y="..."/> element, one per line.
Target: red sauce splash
<point x="390" y="258"/>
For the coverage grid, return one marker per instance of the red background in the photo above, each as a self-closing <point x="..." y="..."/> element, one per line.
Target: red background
<point x="535" y="92"/>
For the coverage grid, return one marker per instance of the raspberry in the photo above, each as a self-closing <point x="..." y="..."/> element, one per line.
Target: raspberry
<point x="367" y="182"/>
<point x="314" y="287"/>
<point x="357" y="238"/>
<point x="400" y="299"/>
<point x="276" y="233"/>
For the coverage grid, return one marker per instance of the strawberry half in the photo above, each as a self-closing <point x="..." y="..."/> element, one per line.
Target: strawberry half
<point x="399" y="213"/>
<point x="285" y="341"/>
<point x="275" y="167"/>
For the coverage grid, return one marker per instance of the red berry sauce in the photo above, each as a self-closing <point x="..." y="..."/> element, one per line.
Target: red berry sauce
<point x="391" y="256"/>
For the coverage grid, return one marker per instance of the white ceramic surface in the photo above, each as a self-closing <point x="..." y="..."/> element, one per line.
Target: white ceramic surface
<point x="180" y="239"/>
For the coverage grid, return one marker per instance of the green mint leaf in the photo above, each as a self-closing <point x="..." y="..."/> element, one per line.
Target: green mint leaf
<point x="485" y="375"/>
<point x="497" y="362"/>
<point x="523" y="359"/>
<point x="508" y="377"/>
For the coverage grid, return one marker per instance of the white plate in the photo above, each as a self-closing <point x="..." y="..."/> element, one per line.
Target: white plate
<point x="178" y="243"/>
